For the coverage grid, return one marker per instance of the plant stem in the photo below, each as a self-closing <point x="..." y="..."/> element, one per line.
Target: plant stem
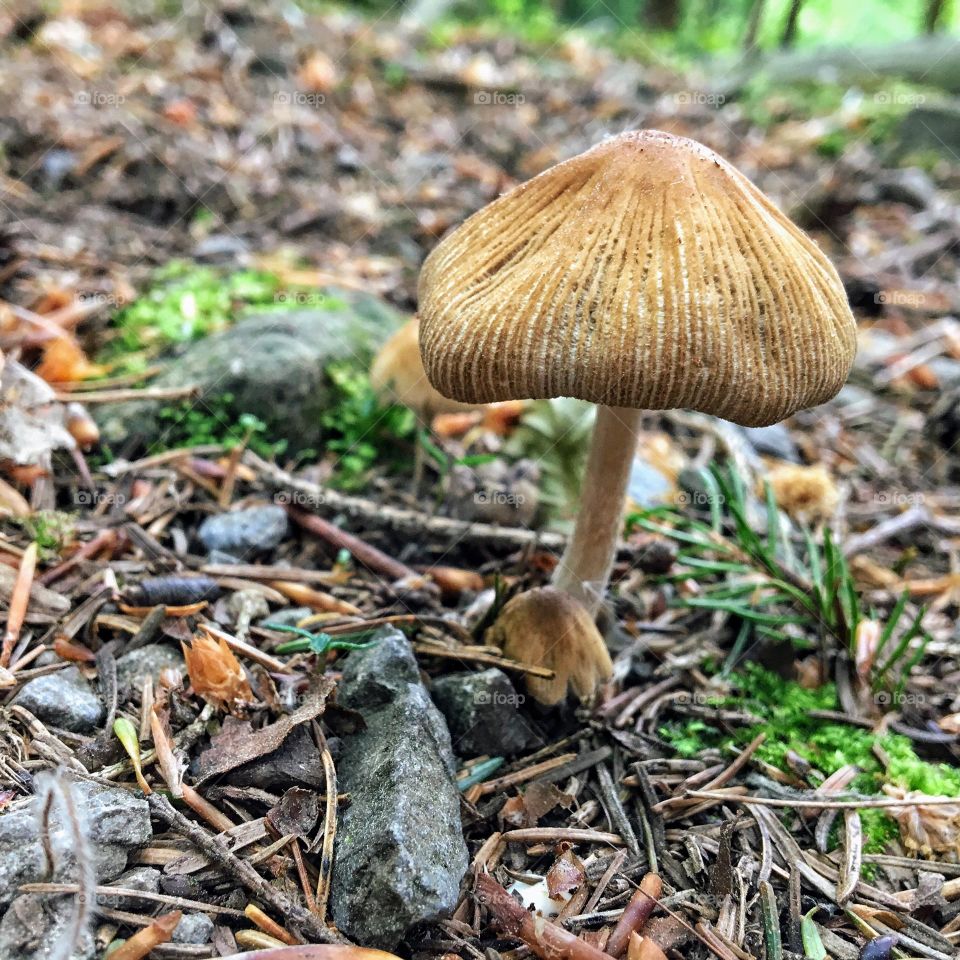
<point x="584" y="569"/>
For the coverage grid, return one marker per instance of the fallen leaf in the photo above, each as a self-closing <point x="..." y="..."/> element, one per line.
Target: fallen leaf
<point x="215" y="672"/>
<point x="237" y="744"/>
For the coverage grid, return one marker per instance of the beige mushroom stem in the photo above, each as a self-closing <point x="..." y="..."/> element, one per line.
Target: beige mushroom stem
<point x="584" y="569"/>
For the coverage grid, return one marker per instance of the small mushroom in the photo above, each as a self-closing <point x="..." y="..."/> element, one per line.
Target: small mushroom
<point x="551" y="629"/>
<point x="398" y="376"/>
<point x="644" y="274"/>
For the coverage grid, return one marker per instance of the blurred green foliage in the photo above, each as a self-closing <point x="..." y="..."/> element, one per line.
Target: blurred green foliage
<point x="697" y="27"/>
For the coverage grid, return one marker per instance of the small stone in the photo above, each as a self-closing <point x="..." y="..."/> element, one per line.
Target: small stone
<point x="482" y="712"/>
<point x="193" y="928"/>
<point x="146" y="879"/>
<point x="400" y="852"/>
<point x="242" y="532"/>
<point x="64" y="699"/>
<point x="148" y="661"/>
<point x="909" y="185"/>
<point x="773" y="441"/>
<point x="947" y="372"/>
<point x="287" y="618"/>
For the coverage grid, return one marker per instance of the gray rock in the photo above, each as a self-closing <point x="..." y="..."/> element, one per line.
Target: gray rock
<point x="928" y="127"/>
<point x="946" y="370"/>
<point x="400" y="853"/>
<point x="193" y="928"/>
<point x="271" y="365"/>
<point x="289" y="617"/>
<point x="773" y="441"/>
<point x="134" y="667"/>
<point x="32" y="925"/>
<point x="116" y="822"/>
<point x="481" y="710"/>
<point x="243" y="532"/>
<point x="146" y="879"/>
<point x="64" y="699"/>
<point x="909" y="185"/>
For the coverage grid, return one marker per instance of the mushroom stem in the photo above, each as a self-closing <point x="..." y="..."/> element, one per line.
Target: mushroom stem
<point x="584" y="569"/>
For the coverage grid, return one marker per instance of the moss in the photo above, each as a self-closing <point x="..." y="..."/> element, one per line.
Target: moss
<point x="186" y="302"/>
<point x="215" y="421"/>
<point x="786" y="712"/>
<point x="51" y="529"/>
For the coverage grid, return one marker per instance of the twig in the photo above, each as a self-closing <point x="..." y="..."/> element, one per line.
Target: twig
<point x="106" y="890"/>
<point x="635" y="914"/>
<point x="329" y="834"/>
<point x="553" y="834"/>
<point x="19" y="601"/>
<point x="413" y="524"/>
<point x="304" y="923"/>
<point x="822" y="804"/>
<point x="121" y="396"/>
<point x="546" y="939"/>
<point x="368" y="555"/>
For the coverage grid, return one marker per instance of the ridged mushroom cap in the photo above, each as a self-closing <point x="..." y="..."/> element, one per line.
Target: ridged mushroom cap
<point x="646" y="272"/>
<point x="397" y="375"/>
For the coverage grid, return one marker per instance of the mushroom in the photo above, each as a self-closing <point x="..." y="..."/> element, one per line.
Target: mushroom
<point x="644" y="274"/>
<point x="397" y="374"/>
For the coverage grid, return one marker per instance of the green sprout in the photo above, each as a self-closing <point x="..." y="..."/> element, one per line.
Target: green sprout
<point x="319" y="643"/>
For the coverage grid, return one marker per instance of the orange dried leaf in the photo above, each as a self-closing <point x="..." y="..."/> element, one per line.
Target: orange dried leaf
<point x="215" y="672"/>
<point x="65" y="362"/>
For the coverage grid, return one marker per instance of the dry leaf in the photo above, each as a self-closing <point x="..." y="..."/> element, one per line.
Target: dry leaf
<point x="65" y="362"/>
<point x="566" y="875"/>
<point x="237" y="744"/>
<point x="933" y="829"/>
<point x="31" y="420"/>
<point x="215" y="672"/>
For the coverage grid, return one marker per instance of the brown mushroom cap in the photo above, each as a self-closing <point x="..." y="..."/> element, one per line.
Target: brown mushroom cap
<point x="397" y="374"/>
<point x="646" y="272"/>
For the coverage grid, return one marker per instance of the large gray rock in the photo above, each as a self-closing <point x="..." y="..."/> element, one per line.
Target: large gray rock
<point x="33" y="925"/>
<point x="400" y="853"/>
<point x="272" y="365"/>
<point x="116" y="821"/>
<point x="63" y="699"/>
<point x="482" y="712"/>
<point x="928" y="127"/>
<point x="244" y="532"/>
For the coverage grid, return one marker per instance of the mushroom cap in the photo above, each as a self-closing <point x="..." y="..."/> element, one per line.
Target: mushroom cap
<point x="646" y="272"/>
<point x="397" y="373"/>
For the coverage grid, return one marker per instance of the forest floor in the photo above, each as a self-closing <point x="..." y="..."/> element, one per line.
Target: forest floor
<point x="195" y="608"/>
